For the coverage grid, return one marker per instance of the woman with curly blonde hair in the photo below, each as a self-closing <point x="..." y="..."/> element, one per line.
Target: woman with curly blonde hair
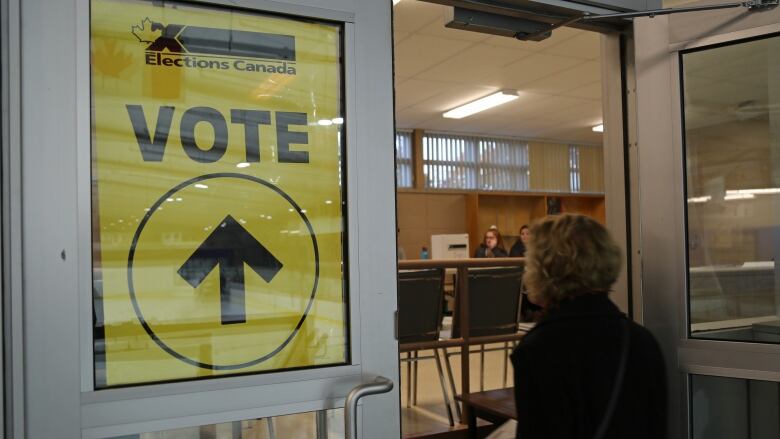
<point x="585" y="371"/>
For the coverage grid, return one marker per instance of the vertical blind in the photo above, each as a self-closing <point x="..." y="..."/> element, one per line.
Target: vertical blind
<point x="468" y="162"/>
<point x="450" y="162"/>
<point x="453" y="161"/>
<point x="404" y="171"/>
<point x="574" y="168"/>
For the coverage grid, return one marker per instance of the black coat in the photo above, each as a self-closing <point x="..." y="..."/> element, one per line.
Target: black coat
<point x="498" y="252"/>
<point x="565" y="370"/>
<point x="517" y="250"/>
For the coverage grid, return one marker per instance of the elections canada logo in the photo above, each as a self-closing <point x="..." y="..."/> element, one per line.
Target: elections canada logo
<point x="184" y="46"/>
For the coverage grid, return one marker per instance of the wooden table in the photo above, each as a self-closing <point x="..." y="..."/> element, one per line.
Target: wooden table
<point x="495" y="406"/>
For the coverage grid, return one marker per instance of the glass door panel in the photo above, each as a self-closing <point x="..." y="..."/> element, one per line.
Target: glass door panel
<point x="731" y="108"/>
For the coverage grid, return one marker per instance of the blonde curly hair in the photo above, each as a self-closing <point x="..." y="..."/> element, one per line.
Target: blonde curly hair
<point x="568" y="256"/>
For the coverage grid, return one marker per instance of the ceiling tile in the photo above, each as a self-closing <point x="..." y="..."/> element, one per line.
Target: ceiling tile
<point x="413" y="91"/>
<point x="438" y="69"/>
<point x="420" y="52"/>
<point x="529" y="69"/>
<point x="577" y="135"/>
<point x="588" y="91"/>
<point x="473" y="64"/>
<point x="411" y="15"/>
<point x="456" y="97"/>
<point x="411" y="118"/>
<point x="585" y="45"/>
<point x="572" y="78"/>
<point x="399" y="36"/>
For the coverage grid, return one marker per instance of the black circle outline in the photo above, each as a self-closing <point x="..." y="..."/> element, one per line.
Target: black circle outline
<point x="131" y="256"/>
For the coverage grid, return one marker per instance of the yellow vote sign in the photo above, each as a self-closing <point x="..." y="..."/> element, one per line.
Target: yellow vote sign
<point x="217" y="199"/>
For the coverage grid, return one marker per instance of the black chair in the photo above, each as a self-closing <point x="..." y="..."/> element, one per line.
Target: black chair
<point x="420" y="297"/>
<point x="494" y="300"/>
<point x="494" y="309"/>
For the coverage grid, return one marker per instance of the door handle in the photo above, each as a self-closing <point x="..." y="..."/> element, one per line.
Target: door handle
<point x="380" y="385"/>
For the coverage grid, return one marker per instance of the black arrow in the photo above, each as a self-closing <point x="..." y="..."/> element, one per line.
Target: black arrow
<point x="230" y="246"/>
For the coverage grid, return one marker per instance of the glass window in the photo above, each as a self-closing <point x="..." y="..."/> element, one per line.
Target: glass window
<point x="449" y="162"/>
<point x="470" y="162"/>
<point x="503" y="165"/>
<point x="404" y="172"/>
<point x="733" y="408"/>
<point x="731" y="103"/>
<point x="218" y="213"/>
<point x="574" y="168"/>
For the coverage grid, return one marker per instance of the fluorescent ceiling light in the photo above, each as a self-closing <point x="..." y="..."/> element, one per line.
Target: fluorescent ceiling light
<point x="482" y="104"/>
<point x="730" y="197"/>
<point x="760" y="191"/>
<point x="395" y="2"/>
<point x="599" y="128"/>
<point x="325" y="122"/>
<point x="703" y="199"/>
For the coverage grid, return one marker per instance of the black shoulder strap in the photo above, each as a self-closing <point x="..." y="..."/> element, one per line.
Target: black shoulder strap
<point x="621" y="373"/>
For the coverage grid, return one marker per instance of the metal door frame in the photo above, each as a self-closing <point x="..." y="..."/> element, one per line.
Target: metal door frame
<point x="52" y="254"/>
<point x="661" y="210"/>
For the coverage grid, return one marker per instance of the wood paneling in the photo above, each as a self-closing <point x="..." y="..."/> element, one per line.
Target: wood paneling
<point x="472" y="220"/>
<point x="591" y="206"/>
<point x="421" y="215"/>
<point x="508" y="213"/>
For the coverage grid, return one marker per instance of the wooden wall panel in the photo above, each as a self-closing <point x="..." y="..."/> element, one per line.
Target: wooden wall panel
<point x="472" y="220"/>
<point x="591" y="206"/>
<point x="507" y="213"/>
<point x="421" y="215"/>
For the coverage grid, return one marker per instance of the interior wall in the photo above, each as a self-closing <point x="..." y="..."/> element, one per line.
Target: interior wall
<point x="591" y="168"/>
<point x="423" y="215"/>
<point x="549" y="164"/>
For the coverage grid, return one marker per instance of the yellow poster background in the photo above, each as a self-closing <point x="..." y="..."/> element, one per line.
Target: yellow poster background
<point x="126" y="187"/>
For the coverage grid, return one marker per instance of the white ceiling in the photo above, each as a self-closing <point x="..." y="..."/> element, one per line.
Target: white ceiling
<point x="437" y="69"/>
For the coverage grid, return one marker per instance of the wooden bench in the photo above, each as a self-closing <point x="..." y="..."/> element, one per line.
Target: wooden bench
<point x="496" y="406"/>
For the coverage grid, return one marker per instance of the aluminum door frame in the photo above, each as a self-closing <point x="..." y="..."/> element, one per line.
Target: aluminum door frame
<point x="47" y="191"/>
<point x="661" y="207"/>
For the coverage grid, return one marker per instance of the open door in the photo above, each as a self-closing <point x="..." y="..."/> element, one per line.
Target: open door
<point x="708" y="132"/>
<point x="198" y="218"/>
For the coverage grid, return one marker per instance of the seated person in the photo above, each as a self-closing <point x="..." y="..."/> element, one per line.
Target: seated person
<point x="518" y="249"/>
<point x="585" y="370"/>
<point x="492" y="245"/>
<point x="529" y="312"/>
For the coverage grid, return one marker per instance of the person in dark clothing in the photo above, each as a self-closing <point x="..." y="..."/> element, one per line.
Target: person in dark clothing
<point x="528" y="311"/>
<point x="518" y="249"/>
<point x="492" y="245"/>
<point x="584" y="368"/>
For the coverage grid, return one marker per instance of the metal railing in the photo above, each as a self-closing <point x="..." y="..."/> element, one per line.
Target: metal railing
<point x="462" y="292"/>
